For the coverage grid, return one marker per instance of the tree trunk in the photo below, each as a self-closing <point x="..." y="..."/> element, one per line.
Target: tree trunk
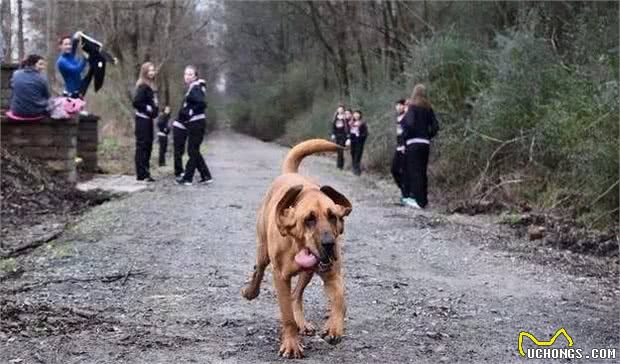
<point x="325" y="78"/>
<point x="148" y="56"/>
<point x="363" y="65"/>
<point x="135" y="41"/>
<point x="7" y="29"/>
<point x="385" y="52"/>
<point x="21" y="54"/>
<point x="49" y="39"/>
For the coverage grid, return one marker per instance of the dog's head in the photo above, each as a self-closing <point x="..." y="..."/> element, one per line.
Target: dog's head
<point x="315" y="219"/>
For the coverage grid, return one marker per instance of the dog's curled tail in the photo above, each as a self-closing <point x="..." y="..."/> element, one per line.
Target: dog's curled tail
<point x="304" y="149"/>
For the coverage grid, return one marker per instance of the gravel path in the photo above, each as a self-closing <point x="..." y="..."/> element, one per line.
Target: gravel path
<point x="155" y="278"/>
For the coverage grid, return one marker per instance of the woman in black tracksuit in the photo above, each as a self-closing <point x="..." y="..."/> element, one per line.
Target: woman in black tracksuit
<point x="340" y="134"/>
<point x="179" y="140"/>
<point x="146" y="109"/>
<point x="358" y="131"/>
<point x="398" y="161"/>
<point x="193" y="117"/>
<point x="419" y="127"/>
<point x="162" y="135"/>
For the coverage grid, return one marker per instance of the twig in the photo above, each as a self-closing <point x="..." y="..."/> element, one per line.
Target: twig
<point x="31" y="245"/>
<point x="104" y="279"/>
<point x="127" y="275"/>
<point x="532" y="149"/>
<point x="498" y="186"/>
<point x="605" y="193"/>
<point x="591" y="224"/>
<point x="488" y="165"/>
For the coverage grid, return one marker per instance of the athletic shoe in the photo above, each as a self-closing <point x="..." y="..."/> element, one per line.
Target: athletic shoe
<point x="412" y="203"/>
<point x="204" y="181"/>
<point x="182" y="182"/>
<point x="402" y="201"/>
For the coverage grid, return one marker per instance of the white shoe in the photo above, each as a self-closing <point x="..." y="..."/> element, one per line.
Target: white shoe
<point x="412" y="203"/>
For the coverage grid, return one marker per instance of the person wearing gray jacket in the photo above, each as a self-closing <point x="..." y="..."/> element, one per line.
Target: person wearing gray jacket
<point x="31" y="92"/>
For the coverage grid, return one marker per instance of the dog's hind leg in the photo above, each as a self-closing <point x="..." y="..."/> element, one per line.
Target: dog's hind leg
<point x="305" y="327"/>
<point x="252" y="289"/>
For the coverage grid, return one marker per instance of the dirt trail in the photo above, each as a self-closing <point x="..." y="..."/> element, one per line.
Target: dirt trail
<point x="155" y="278"/>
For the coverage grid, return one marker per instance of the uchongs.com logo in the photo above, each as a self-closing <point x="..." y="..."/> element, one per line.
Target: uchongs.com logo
<point x="550" y="350"/>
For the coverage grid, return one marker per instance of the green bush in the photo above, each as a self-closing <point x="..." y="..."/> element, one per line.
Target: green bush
<point x="517" y="122"/>
<point x="273" y="102"/>
<point x="454" y="68"/>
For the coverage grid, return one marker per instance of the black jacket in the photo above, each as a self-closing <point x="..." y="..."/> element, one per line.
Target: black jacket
<point x="358" y="133"/>
<point x="195" y="101"/>
<point x="340" y="127"/>
<point x="419" y="122"/>
<point x="400" y="141"/>
<point x="145" y="101"/>
<point x="162" y="123"/>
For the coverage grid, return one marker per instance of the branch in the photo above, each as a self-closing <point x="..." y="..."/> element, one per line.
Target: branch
<point x="24" y="248"/>
<point x="104" y="279"/>
<point x="415" y="14"/>
<point x="605" y="193"/>
<point x="318" y="31"/>
<point x="488" y="165"/>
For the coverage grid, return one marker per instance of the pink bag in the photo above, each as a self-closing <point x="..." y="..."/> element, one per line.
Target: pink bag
<point x="65" y="107"/>
<point x="73" y="106"/>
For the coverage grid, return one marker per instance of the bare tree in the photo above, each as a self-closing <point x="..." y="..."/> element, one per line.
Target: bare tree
<point x="6" y="17"/>
<point x="20" y="30"/>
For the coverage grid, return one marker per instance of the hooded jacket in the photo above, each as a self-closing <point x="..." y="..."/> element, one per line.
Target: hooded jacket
<point x="195" y="103"/>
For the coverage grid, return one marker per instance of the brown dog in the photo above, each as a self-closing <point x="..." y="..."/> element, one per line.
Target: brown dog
<point x="298" y="230"/>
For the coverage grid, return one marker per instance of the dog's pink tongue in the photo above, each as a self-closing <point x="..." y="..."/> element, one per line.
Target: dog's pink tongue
<point x="306" y="259"/>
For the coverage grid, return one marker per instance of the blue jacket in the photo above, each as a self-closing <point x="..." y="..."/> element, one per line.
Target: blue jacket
<point x="71" y="68"/>
<point x="30" y="93"/>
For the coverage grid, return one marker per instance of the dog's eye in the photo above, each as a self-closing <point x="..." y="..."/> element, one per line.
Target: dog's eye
<point x="310" y="220"/>
<point x="333" y="219"/>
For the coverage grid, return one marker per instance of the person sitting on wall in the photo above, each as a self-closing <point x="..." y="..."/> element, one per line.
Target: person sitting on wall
<point x="31" y="93"/>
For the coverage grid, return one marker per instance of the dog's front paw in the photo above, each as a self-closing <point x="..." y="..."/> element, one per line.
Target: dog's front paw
<point x="307" y="329"/>
<point x="333" y="331"/>
<point x="291" y="348"/>
<point x="249" y="292"/>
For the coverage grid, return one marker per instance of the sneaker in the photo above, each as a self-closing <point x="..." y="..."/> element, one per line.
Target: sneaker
<point x="182" y="182"/>
<point x="412" y="203"/>
<point x="205" y="181"/>
<point x="402" y="201"/>
<point x="149" y="179"/>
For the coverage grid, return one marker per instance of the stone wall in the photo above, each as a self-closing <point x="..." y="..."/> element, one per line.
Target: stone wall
<point x="87" y="141"/>
<point x="6" y="70"/>
<point x="54" y="142"/>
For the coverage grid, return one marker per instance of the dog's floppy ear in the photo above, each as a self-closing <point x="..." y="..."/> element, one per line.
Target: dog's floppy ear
<point x="338" y="199"/>
<point x="285" y="212"/>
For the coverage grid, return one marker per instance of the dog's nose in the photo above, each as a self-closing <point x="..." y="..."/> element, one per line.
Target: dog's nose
<point x="327" y="239"/>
